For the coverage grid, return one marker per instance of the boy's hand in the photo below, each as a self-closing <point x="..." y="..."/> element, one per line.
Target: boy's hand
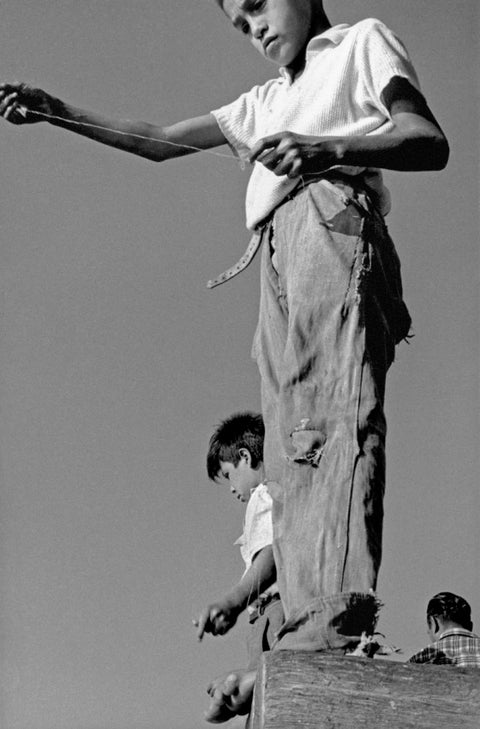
<point x="18" y="102"/>
<point x="287" y="153"/>
<point x="216" y="619"/>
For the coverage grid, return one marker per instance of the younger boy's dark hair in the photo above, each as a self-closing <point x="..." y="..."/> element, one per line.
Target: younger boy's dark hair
<point x="452" y="607"/>
<point x="241" y="430"/>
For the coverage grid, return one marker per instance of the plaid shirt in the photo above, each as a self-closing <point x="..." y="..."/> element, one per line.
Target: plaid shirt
<point x="456" y="647"/>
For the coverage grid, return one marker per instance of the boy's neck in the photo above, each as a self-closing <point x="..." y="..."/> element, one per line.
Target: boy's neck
<point x="320" y="23"/>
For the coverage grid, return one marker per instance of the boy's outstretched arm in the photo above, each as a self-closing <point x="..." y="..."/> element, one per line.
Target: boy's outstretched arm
<point x="222" y="615"/>
<point x="415" y="143"/>
<point x="21" y="104"/>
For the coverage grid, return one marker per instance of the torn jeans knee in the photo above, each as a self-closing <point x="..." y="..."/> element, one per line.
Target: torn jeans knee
<point x="308" y="442"/>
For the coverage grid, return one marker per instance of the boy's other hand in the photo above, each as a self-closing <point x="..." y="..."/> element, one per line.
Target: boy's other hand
<point x="216" y="619"/>
<point x="19" y="102"/>
<point x="287" y="153"/>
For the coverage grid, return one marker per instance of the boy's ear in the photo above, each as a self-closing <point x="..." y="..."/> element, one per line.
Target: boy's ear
<point x="246" y="455"/>
<point x="432" y="623"/>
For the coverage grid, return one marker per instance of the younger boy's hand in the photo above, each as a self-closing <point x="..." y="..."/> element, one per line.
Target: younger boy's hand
<point x="19" y="102"/>
<point x="216" y="619"/>
<point x="287" y="153"/>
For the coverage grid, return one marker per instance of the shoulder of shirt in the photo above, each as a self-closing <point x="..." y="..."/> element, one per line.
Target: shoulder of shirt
<point x="365" y="31"/>
<point x="260" y="490"/>
<point x="342" y="32"/>
<point x="430" y="654"/>
<point x="426" y="654"/>
<point x="259" y="495"/>
<point x="371" y="24"/>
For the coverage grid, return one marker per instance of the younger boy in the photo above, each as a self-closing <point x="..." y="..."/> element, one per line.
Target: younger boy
<point x="235" y="454"/>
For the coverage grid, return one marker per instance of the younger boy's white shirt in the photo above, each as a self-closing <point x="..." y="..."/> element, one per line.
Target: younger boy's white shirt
<point x="257" y="528"/>
<point x="338" y="94"/>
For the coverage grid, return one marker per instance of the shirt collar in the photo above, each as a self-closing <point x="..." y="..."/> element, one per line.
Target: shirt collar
<point x="456" y="631"/>
<point x="331" y="36"/>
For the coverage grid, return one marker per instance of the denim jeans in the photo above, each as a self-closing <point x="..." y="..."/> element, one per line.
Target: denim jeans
<point x="331" y="312"/>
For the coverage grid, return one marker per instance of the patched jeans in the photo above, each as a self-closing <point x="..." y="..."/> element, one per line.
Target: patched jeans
<point x="331" y="312"/>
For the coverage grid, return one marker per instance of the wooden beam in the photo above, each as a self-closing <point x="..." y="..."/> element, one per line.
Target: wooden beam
<point x="306" y="690"/>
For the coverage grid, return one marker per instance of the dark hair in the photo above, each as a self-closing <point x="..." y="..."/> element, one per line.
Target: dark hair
<point x="448" y="606"/>
<point x="241" y="430"/>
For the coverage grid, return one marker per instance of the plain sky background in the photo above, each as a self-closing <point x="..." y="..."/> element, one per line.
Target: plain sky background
<point x="116" y="362"/>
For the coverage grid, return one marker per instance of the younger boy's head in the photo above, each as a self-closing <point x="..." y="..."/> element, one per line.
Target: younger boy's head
<point x="278" y="29"/>
<point x="235" y="453"/>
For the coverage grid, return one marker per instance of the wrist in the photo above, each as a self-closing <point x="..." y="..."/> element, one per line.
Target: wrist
<point x="55" y="107"/>
<point x="340" y="151"/>
<point x="235" y="602"/>
<point x="325" y="153"/>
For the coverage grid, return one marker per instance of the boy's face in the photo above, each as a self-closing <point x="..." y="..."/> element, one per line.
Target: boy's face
<point x="241" y="478"/>
<point x="278" y="29"/>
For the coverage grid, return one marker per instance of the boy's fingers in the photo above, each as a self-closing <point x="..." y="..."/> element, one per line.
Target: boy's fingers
<point x="230" y="686"/>
<point x="205" y="622"/>
<point x="201" y="624"/>
<point x="269" y="158"/>
<point x="263" y="144"/>
<point x="9" y="90"/>
<point x="7" y="100"/>
<point x="10" y="111"/>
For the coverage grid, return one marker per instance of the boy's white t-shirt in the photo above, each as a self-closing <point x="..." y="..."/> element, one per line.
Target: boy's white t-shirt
<point x="257" y="529"/>
<point x="338" y="94"/>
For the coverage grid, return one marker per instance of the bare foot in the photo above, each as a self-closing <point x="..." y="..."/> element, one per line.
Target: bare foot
<point x="230" y="694"/>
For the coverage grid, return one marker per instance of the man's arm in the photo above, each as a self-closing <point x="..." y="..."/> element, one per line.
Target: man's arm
<point x="21" y="104"/>
<point x="415" y="143"/>
<point x="220" y="616"/>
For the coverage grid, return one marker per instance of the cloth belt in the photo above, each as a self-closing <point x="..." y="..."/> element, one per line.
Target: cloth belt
<point x="244" y="261"/>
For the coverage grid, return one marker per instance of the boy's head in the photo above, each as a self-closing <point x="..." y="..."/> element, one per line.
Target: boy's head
<point x="235" y="453"/>
<point x="278" y="29"/>
<point x="446" y="609"/>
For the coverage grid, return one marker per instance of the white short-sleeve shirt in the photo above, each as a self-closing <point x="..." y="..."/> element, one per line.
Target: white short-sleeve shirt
<point x="338" y="94"/>
<point x="257" y="528"/>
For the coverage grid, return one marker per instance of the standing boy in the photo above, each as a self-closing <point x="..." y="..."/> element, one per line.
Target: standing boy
<point x="235" y="454"/>
<point x="346" y="104"/>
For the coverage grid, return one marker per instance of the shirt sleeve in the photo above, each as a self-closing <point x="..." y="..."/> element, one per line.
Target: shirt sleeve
<point x="258" y="524"/>
<point x="381" y="55"/>
<point x="241" y="120"/>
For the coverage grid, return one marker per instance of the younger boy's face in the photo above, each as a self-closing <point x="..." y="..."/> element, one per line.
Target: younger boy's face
<point x="278" y="29"/>
<point x="241" y="478"/>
